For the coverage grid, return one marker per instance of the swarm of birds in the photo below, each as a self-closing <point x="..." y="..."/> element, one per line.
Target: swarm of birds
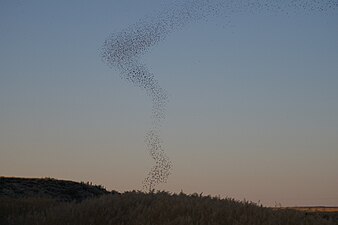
<point x="124" y="49"/>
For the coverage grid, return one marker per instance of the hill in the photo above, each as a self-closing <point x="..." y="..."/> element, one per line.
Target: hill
<point x="139" y="208"/>
<point x="62" y="190"/>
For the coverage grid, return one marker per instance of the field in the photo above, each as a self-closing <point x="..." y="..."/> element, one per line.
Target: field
<point x="329" y="213"/>
<point x="139" y="208"/>
<point x="316" y="209"/>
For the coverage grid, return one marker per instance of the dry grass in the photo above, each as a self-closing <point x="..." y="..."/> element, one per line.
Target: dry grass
<point x="317" y="209"/>
<point x="161" y="208"/>
<point x="57" y="202"/>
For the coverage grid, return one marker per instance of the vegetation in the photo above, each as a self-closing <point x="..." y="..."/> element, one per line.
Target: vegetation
<point x="62" y="190"/>
<point x="154" y="208"/>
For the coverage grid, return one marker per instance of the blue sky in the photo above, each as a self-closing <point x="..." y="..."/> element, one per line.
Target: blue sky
<point x="252" y="107"/>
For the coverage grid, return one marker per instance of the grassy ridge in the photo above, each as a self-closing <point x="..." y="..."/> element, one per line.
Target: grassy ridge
<point x="139" y="208"/>
<point x="63" y="190"/>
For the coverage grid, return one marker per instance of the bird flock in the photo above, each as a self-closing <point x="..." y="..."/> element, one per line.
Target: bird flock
<point x="123" y="51"/>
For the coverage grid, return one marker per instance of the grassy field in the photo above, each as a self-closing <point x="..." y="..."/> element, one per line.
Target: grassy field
<point x="316" y="209"/>
<point x="139" y="208"/>
<point x="329" y="213"/>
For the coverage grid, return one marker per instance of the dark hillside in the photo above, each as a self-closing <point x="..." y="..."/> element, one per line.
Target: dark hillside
<point x="57" y="202"/>
<point x="62" y="190"/>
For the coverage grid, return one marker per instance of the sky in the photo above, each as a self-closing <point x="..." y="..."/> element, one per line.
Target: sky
<point x="252" y="110"/>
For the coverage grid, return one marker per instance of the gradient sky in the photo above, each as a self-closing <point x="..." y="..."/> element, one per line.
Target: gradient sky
<point x="252" y="113"/>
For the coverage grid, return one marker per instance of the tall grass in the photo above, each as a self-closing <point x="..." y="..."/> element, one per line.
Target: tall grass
<point x="161" y="208"/>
